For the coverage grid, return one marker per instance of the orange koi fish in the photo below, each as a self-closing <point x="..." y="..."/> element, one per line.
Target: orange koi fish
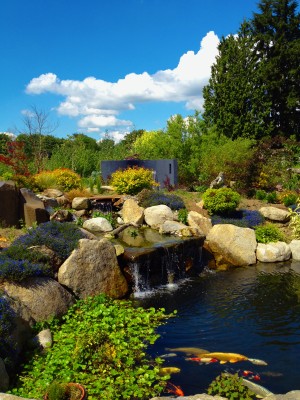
<point x="170" y="388"/>
<point x="225" y="357"/>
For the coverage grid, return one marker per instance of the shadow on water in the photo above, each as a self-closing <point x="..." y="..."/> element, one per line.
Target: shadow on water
<point x="254" y="311"/>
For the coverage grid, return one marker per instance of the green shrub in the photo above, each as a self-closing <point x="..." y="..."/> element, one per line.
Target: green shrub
<point x="109" y="216"/>
<point x="102" y="344"/>
<point x="183" y="215"/>
<point x="221" y="201"/>
<point x="149" y="198"/>
<point x="132" y="180"/>
<point x="272" y="197"/>
<point x="268" y="233"/>
<point x="231" y="387"/>
<point x="294" y="223"/>
<point x="288" y="198"/>
<point x="260" y="194"/>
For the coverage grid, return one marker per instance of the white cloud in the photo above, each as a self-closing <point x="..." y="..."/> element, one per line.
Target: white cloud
<point x="97" y="103"/>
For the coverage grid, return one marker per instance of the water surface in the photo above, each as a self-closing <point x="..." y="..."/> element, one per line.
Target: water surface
<point x="254" y="311"/>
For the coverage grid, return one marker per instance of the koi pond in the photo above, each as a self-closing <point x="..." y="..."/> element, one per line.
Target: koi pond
<point x="253" y="311"/>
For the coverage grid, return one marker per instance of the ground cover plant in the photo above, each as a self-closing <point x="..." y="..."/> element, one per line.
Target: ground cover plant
<point x="100" y="343"/>
<point x="7" y="345"/>
<point x="242" y="218"/>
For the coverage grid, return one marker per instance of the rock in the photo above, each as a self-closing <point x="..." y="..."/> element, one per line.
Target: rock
<point x="175" y="228"/>
<point x="49" y="202"/>
<point x="52" y="258"/>
<point x="119" y="249"/>
<point x="7" y="396"/>
<point x="43" y="339"/>
<point x="232" y="245"/>
<point x="9" y="210"/>
<point x="295" y="249"/>
<point x="52" y="193"/>
<point x="88" y="235"/>
<point x="218" y="182"/>
<point x="99" y="224"/>
<point x="275" y="214"/>
<point x="155" y="216"/>
<point x="4" y="378"/>
<point x="196" y="220"/>
<point x="81" y="203"/>
<point x="62" y="216"/>
<point x="42" y="297"/>
<point x="33" y="210"/>
<point x="132" y="212"/>
<point x="292" y="395"/>
<point x="273" y="252"/>
<point x="91" y="269"/>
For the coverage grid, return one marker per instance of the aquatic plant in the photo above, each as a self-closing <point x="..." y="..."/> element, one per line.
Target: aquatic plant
<point x="102" y="343"/>
<point x="231" y="387"/>
<point x="242" y="218"/>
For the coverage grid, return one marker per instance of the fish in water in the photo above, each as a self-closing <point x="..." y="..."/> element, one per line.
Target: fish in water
<point x="170" y="388"/>
<point x="272" y="374"/>
<point x="258" y="390"/>
<point x="169" y="370"/>
<point x="225" y="357"/>
<point x="256" y="361"/>
<point x="202" y="360"/>
<point x="192" y="351"/>
<point x="169" y="355"/>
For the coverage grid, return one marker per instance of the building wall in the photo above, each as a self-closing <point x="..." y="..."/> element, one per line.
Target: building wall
<point x="162" y="169"/>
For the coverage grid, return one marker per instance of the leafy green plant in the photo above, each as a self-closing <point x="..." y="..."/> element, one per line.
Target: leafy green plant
<point x="272" y="197"/>
<point x="288" y="198"/>
<point x="61" y="178"/>
<point x="132" y="180"/>
<point x="294" y="223"/>
<point x="56" y="391"/>
<point x="260" y="194"/>
<point x="221" y="201"/>
<point x="268" y="233"/>
<point x="102" y="343"/>
<point x="231" y="387"/>
<point x="183" y="215"/>
<point x="109" y="216"/>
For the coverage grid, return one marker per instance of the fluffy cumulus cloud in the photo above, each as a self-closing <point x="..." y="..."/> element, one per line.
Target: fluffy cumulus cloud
<point x="97" y="103"/>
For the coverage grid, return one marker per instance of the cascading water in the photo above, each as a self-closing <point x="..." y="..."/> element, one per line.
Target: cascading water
<point x="151" y="260"/>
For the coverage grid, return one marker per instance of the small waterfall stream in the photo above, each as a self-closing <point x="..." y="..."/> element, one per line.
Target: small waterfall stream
<point x="151" y="260"/>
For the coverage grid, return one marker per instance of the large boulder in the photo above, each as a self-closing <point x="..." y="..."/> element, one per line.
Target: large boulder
<point x="155" y="216"/>
<point x="275" y="214"/>
<point x="81" y="203"/>
<point x="91" y="269"/>
<point x="42" y="297"/>
<point x="33" y="210"/>
<point x="178" y="229"/>
<point x="9" y="200"/>
<point x="231" y="245"/>
<point x="196" y="220"/>
<point x="273" y="252"/>
<point x="295" y="248"/>
<point x="97" y="225"/>
<point x="132" y="212"/>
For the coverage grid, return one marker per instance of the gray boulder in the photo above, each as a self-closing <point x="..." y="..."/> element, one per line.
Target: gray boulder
<point x="275" y="214"/>
<point x="273" y="252"/>
<point x="132" y="212"/>
<point x="42" y="297"/>
<point x="97" y="225"/>
<point x="91" y="269"/>
<point x="81" y="203"/>
<point x="155" y="216"/>
<point x="231" y="245"/>
<point x="177" y="228"/>
<point x="295" y="248"/>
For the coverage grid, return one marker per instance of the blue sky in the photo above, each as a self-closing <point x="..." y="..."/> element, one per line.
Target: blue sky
<point x="109" y="65"/>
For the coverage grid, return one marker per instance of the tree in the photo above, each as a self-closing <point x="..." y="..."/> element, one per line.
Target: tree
<point x="37" y="124"/>
<point x="277" y="32"/>
<point x="254" y="86"/>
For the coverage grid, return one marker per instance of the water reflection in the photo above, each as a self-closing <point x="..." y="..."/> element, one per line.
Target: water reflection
<point x="253" y="311"/>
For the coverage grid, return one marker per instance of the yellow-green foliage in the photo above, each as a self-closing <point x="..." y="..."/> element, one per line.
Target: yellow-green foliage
<point x="295" y="221"/>
<point x="62" y="178"/>
<point x="78" y="193"/>
<point x="132" y="180"/>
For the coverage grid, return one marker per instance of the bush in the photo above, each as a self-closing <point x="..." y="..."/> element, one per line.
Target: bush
<point x="221" y="201"/>
<point x="242" y="218"/>
<point x="149" y="198"/>
<point x="71" y="194"/>
<point x="62" y="178"/>
<point x="183" y="215"/>
<point x="132" y="180"/>
<point x="62" y="238"/>
<point x="102" y="344"/>
<point x="268" y="233"/>
<point x="260" y="194"/>
<point x="295" y="221"/>
<point x="272" y="197"/>
<point x="288" y="198"/>
<point x="231" y="387"/>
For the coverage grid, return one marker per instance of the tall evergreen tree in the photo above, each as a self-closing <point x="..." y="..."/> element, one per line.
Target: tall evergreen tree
<point x="254" y="86"/>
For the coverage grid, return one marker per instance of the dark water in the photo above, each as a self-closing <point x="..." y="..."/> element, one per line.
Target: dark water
<point x="254" y="311"/>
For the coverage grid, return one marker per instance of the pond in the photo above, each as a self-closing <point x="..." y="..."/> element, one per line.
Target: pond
<point x="254" y="311"/>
